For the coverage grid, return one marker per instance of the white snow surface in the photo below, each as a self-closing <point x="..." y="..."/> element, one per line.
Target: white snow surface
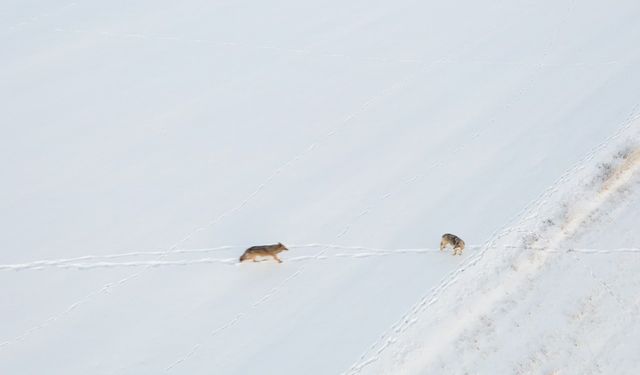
<point x="146" y="144"/>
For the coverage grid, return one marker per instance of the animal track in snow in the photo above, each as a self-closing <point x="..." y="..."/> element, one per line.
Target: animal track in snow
<point x="80" y="263"/>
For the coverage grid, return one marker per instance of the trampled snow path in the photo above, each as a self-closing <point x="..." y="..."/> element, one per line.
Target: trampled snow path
<point x="92" y="261"/>
<point x="519" y="257"/>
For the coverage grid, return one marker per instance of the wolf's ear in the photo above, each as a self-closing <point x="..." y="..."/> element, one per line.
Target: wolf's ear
<point x="280" y="243"/>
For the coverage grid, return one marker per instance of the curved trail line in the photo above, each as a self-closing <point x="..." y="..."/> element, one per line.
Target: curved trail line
<point x="530" y="212"/>
<point x="345" y="121"/>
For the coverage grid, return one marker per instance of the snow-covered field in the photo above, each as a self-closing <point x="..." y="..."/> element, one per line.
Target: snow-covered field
<point x="146" y="144"/>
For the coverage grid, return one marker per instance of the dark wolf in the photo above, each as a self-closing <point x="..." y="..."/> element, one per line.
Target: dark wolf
<point x="449" y="239"/>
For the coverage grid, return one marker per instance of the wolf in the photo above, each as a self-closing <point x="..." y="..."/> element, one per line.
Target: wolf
<point x="453" y="240"/>
<point x="263" y="251"/>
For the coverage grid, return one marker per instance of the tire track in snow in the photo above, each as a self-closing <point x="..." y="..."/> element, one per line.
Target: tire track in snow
<point x="530" y="212"/>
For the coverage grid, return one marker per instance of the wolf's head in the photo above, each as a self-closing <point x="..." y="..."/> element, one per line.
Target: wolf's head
<point x="281" y="246"/>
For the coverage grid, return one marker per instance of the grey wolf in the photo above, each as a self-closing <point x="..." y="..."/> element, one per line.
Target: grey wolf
<point x="456" y="242"/>
<point x="263" y="251"/>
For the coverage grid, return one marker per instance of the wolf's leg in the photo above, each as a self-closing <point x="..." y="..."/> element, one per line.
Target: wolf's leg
<point x="276" y="258"/>
<point x="442" y="245"/>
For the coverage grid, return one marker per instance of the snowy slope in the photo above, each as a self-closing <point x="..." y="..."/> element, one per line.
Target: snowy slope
<point x="147" y="144"/>
<point x="566" y="298"/>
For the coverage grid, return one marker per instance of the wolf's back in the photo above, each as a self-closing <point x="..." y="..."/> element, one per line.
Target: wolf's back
<point x="265" y="249"/>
